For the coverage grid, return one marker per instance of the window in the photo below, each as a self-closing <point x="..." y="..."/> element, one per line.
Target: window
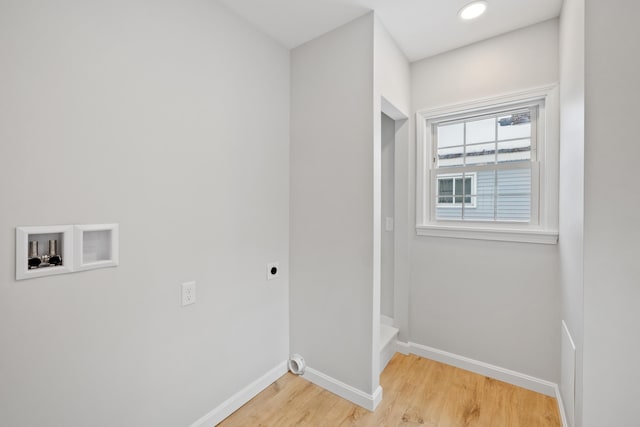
<point x="496" y="147"/>
<point x="451" y="188"/>
<point x="489" y="169"/>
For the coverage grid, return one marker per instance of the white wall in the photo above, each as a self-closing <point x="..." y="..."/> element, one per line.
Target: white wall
<point x="392" y="69"/>
<point x="388" y="211"/>
<point x="332" y="200"/>
<point x="572" y="195"/>
<point x="496" y="302"/>
<point x="170" y="118"/>
<point x="611" y="232"/>
<point x="392" y="95"/>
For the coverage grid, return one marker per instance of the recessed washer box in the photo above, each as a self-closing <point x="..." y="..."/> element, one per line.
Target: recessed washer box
<point x="96" y="246"/>
<point x="62" y="235"/>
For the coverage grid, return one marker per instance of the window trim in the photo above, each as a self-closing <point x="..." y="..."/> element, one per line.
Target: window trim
<point x="544" y="226"/>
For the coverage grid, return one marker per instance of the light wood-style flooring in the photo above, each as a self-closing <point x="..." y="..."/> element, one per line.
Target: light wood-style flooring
<point x="417" y="392"/>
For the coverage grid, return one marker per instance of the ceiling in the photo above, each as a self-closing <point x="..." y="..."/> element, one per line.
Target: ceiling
<point x="420" y="27"/>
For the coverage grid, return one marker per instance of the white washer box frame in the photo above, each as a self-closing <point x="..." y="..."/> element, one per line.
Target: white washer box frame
<point x="22" y="248"/>
<point x="112" y="261"/>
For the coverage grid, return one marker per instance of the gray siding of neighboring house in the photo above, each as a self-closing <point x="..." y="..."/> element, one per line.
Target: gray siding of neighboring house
<point x="513" y="198"/>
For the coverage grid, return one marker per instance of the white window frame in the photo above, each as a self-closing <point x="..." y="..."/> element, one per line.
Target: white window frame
<point x="454" y="176"/>
<point x="543" y="227"/>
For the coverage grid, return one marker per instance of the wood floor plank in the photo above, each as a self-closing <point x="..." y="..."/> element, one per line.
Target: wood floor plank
<point x="417" y="392"/>
<point x="393" y="405"/>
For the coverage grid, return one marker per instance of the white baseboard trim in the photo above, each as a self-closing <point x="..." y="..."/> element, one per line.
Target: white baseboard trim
<point x="387" y="353"/>
<point x="403" y="347"/>
<point x="386" y="320"/>
<point x="508" y="376"/>
<point x="233" y="403"/>
<point x="352" y="394"/>
<point x="563" y="415"/>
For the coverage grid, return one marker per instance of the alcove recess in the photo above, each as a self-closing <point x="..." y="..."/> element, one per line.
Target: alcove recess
<point x="80" y="247"/>
<point x="62" y="239"/>
<point x="96" y="246"/>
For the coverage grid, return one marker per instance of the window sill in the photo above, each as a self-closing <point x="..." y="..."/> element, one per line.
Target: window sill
<point x="544" y="237"/>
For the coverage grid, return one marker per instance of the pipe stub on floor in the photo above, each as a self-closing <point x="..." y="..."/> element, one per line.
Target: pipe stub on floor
<point x="297" y="364"/>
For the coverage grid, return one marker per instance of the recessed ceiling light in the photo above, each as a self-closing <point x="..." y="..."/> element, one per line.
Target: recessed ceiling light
<point x="473" y="10"/>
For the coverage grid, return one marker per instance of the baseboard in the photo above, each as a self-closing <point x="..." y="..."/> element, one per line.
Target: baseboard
<point x="403" y="347"/>
<point x="508" y="376"/>
<point x="232" y="404"/>
<point x="387" y="353"/>
<point x="386" y="320"/>
<point x="359" y="397"/>
<point x="563" y="415"/>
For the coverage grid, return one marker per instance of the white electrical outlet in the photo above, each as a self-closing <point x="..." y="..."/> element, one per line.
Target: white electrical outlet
<point x="188" y="293"/>
<point x="273" y="271"/>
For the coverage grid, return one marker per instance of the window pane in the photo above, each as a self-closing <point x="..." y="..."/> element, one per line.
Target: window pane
<point x="469" y="204"/>
<point x="451" y="156"/>
<point x="445" y="186"/>
<point x="514" y="126"/>
<point x="450" y="135"/>
<point x="448" y="211"/>
<point x="452" y="195"/>
<point x="485" y="195"/>
<point x="513" y="151"/>
<point x="481" y="154"/>
<point x="467" y="186"/>
<point x="513" y="201"/>
<point x="458" y="186"/>
<point x="481" y="131"/>
<point x="481" y="207"/>
<point x="459" y="189"/>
